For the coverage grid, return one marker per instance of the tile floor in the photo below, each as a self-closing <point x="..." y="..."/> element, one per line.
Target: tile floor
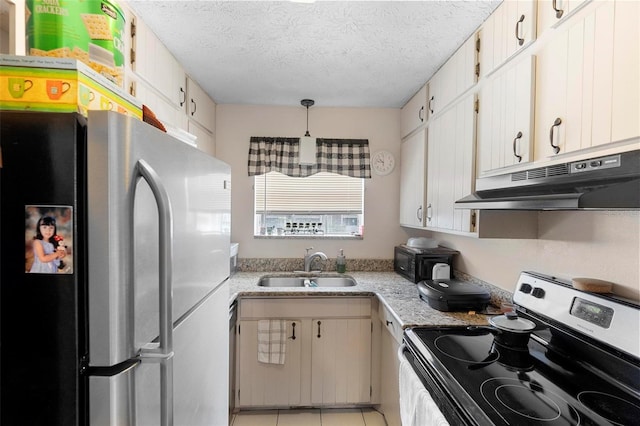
<point x="310" y="417"/>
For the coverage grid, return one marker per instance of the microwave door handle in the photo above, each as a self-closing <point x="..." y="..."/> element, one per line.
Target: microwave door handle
<point x="162" y="353"/>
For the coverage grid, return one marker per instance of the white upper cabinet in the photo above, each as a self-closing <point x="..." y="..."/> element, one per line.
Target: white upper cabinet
<point x="587" y="82"/>
<point x="510" y="28"/>
<point x="152" y="61"/>
<point x="166" y="112"/>
<point x="453" y="78"/>
<point x="156" y="79"/>
<point x="450" y="168"/>
<point x="505" y="118"/>
<point x="414" y="113"/>
<point x="205" y="139"/>
<point x="413" y="174"/>
<point x="625" y="104"/>
<point x="553" y="12"/>
<point x="199" y="106"/>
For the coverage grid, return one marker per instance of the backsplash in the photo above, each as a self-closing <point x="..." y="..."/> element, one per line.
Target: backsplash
<point x="290" y="265"/>
<point x="498" y="295"/>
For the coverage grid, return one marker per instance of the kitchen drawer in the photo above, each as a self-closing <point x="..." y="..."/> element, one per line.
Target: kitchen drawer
<point x="297" y="308"/>
<point x="390" y="322"/>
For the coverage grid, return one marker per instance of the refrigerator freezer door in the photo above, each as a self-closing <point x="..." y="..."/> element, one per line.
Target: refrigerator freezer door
<point x="200" y="366"/>
<point x="201" y="363"/>
<point x="123" y="223"/>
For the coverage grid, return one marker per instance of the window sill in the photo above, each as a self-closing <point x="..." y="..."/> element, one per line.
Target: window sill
<point x="308" y="237"/>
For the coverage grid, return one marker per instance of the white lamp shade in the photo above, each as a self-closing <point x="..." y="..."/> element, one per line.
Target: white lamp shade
<point x="307" y="151"/>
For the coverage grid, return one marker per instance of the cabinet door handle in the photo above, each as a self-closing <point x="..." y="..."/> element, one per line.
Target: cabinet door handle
<point x="518" y="26"/>
<point x="183" y="97"/>
<point x="556" y="148"/>
<point x="519" y="157"/>
<point x="419" y="213"/>
<point x="293" y="332"/>
<point x="319" y="322"/>
<point x="559" y="12"/>
<point x="193" y="111"/>
<point x="429" y="212"/>
<point x="421" y="114"/>
<point x="389" y="323"/>
<point x="430" y="101"/>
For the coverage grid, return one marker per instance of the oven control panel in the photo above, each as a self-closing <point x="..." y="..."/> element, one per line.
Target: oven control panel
<point x="594" y="313"/>
<point x="602" y="317"/>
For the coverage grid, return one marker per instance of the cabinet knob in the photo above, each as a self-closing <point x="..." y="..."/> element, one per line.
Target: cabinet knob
<point x="519" y="157"/>
<point x="183" y="96"/>
<point x="559" y="12"/>
<point x="556" y="123"/>
<point x="518" y="26"/>
<point x="293" y="331"/>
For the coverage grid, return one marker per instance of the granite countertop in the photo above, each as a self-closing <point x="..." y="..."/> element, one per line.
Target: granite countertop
<point x="399" y="295"/>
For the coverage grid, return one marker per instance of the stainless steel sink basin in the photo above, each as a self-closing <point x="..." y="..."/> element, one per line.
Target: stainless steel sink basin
<point x="306" y="282"/>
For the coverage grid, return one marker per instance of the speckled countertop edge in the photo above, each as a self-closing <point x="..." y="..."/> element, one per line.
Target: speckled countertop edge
<point x="399" y="295"/>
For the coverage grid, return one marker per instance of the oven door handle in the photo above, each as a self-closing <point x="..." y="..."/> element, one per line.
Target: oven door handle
<point x="401" y="352"/>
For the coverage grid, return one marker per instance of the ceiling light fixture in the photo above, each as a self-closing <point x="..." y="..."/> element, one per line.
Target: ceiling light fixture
<point x="307" y="151"/>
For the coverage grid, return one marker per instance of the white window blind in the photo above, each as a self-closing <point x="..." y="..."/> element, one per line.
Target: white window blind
<point x="322" y="193"/>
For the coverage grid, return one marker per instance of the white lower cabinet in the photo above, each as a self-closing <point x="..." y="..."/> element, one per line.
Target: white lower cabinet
<point x="328" y="363"/>
<point x="390" y="341"/>
<point x="268" y="384"/>
<point x="341" y="361"/>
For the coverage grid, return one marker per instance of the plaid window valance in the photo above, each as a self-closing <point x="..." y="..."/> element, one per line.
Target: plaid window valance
<point x="349" y="157"/>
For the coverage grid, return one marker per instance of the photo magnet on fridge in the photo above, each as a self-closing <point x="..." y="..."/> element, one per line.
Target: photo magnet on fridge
<point x="48" y="239"/>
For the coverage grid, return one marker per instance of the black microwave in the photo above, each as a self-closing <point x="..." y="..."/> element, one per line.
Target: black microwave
<point x="416" y="264"/>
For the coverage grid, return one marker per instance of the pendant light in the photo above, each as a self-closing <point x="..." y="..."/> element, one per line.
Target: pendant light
<point x="307" y="151"/>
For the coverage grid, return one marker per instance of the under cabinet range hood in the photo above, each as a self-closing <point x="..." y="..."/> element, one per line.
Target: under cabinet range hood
<point x="603" y="183"/>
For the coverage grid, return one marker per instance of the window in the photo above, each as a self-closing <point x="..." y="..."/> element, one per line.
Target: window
<point x="320" y="205"/>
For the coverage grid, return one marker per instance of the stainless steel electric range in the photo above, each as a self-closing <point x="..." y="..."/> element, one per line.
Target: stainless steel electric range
<point x="580" y="366"/>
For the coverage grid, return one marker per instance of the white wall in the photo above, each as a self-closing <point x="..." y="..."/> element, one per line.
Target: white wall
<point x="603" y="245"/>
<point x="235" y="124"/>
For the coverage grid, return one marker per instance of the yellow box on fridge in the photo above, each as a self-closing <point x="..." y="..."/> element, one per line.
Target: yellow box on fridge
<point x="29" y="83"/>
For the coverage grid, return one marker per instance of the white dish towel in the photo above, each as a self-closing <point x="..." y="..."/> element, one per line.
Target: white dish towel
<point x="272" y="335"/>
<point x="417" y="407"/>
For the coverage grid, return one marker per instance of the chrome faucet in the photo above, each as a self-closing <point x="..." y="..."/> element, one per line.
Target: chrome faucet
<point x="309" y="258"/>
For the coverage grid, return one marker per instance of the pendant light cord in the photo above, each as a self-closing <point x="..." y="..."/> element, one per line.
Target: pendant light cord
<point x="307" y="103"/>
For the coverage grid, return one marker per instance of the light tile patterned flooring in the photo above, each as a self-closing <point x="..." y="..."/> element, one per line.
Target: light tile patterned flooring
<point x="310" y="417"/>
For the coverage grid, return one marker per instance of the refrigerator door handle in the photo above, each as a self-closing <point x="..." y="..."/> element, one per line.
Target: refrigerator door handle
<point x="162" y="351"/>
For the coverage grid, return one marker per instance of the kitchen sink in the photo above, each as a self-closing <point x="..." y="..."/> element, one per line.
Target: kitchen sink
<point x="306" y="282"/>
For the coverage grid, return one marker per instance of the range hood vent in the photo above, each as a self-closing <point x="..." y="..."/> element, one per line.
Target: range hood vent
<point x="602" y="183"/>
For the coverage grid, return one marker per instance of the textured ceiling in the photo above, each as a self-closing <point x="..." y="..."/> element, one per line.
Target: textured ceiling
<point x="343" y="53"/>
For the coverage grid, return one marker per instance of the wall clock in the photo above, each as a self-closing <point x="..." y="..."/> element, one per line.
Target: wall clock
<point x="383" y="162"/>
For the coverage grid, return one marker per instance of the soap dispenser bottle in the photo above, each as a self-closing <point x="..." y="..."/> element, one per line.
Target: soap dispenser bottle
<point x="341" y="263"/>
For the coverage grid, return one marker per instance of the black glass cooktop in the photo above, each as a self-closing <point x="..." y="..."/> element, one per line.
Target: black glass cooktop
<point x="535" y="385"/>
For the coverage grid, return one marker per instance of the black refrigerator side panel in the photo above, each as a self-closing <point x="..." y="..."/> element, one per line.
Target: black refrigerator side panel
<point x="42" y="319"/>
